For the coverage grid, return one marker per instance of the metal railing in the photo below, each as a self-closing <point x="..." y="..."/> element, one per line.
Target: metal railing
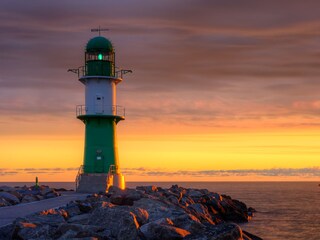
<point x="111" y="172"/>
<point x="114" y="110"/>
<point x="81" y="71"/>
<point x="78" y="178"/>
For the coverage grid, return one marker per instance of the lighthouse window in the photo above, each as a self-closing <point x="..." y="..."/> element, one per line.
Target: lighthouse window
<point x="100" y="56"/>
<point x="98" y="98"/>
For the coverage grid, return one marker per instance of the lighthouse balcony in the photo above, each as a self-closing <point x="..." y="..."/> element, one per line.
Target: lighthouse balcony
<point x="99" y="72"/>
<point x="98" y="110"/>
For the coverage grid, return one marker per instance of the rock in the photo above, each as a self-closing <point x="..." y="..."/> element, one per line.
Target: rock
<point x="189" y="223"/>
<point x="46" y="190"/>
<point x="186" y="201"/>
<point x="17" y="194"/>
<point x="142" y="215"/>
<point x="4" y="203"/>
<point x="52" y="195"/>
<point x="85" y="207"/>
<point x="158" y="209"/>
<point x="124" y="197"/>
<point x="80" y="219"/>
<point x="201" y="212"/>
<point x="132" y="194"/>
<point x="72" y="209"/>
<point x="79" y="230"/>
<point x="250" y="236"/>
<point x="26" y="230"/>
<point x="12" y="199"/>
<point x="156" y="231"/>
<point x="147" y="189"/>
<point x="121" y="222"/>
<point x="61" y="190"/>
<point x="28" y="198"/>
<point x="6" y="189"/>
<point x="121" y="200"/>
<point x="250" y="209"/>
<point x="234" y="210"/>
<point x="114" y="189"/>
<point x="194" y="193"/>
<point x="70" y="234"/>
<point x="225" y="231"/>
<point x="173" y="199"/>
<point x="50" y="216"/>
<point x="6" y="232"/>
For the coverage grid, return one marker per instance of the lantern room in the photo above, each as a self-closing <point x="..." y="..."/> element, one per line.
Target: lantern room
<point x="99" y="57"/>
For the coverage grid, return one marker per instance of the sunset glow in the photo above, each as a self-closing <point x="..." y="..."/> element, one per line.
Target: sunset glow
<point x="222" y="94"/>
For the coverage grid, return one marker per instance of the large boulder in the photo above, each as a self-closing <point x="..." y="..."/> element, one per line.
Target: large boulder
<point x="26" y="230"/>
<point x="46" y="190"/>
<point x="162" y="229"/>
<point x="201" y="212"/>
<point x="119" y="220"/>
<point x="6" y="189"/>
<point x="234" y="210"/>
<point x="188" y="222"/>
<point x="12" y="199"/>
<point x="80" y="219"/>
<point x="29" y="198"/>
<point x="4" y="203"/>
<point x="17" y="194"/>
<point x="225" y="231"/>
<point x="78" y="230"/>
<point x="50" y="216"/>
<point x="141" y="214"/>
<point x="6" y="232"/>
<point x="124" y="197"/>
<point x="72" y="209"/>
<point x="158" y="209"/>
<point x="85" y="207"/>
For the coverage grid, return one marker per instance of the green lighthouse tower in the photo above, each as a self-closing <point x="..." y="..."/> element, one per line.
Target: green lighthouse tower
<point x="100" y="114"/>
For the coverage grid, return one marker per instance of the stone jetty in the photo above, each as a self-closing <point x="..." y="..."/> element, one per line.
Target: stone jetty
<point x="146" y="213"/>
<point x="14" y="195"/>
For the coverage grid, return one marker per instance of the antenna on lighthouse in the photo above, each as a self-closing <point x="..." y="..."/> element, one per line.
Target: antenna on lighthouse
<point x="99" y="30"/>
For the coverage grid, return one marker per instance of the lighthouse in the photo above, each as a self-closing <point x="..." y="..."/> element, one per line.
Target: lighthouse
<point x="100" y="115"/>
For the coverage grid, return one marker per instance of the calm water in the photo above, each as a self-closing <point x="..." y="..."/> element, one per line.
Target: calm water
<point x="286" y="210"/>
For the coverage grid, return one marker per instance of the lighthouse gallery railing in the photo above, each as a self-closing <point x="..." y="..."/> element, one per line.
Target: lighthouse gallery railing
<point x="82" y="72"/>
<point x="114" y="110"/>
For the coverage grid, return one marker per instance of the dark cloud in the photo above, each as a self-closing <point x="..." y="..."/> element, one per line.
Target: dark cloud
<point x="244" y="51"/>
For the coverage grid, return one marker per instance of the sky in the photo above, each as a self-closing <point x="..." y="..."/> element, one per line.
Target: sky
<point x="221" y="90"/>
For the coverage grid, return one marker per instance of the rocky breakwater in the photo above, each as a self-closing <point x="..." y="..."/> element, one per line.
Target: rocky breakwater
<point x="143" y="213"/>
<point x="14" y="195"/>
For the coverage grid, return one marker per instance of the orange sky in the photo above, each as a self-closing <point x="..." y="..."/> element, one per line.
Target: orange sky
<point x="227" y="93"/>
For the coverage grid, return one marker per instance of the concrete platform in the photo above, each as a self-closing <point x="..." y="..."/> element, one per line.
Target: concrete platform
<point x="92" y="183"/>
<point x="9" y="214"/>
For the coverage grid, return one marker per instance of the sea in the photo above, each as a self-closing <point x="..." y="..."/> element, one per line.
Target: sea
<point x="285" y="210"/>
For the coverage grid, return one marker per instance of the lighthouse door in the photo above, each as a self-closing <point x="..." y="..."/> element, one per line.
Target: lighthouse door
<point x="99" y="103"/>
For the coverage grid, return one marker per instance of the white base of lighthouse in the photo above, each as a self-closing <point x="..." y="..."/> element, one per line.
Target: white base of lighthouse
<point x="117" y="180"/>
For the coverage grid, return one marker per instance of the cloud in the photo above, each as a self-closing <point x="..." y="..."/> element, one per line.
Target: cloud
<point x="51" y="171"/>
<point x="141" y="171"/>
<point x="273" y="172"/>
<point x="261" y="59"/>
